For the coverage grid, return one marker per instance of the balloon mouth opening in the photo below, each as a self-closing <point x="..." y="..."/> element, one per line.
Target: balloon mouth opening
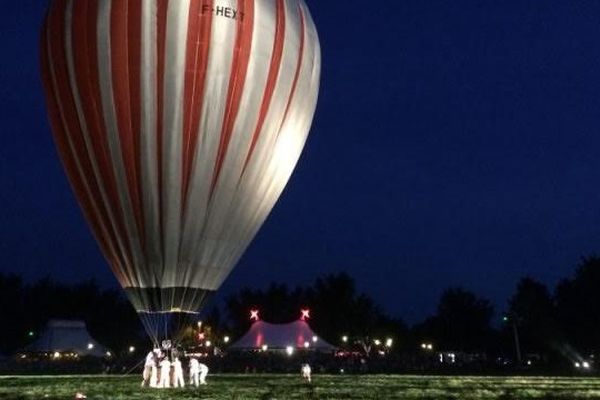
<point x="173" y="299"/>
<point x="175" y="310"/>
<point x="166" y="312"/>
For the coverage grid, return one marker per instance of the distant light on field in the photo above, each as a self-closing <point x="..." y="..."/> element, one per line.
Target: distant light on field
<point x="345" y="339"/>
<point x="289" y="350"/>
<point x="265" y="347"/>
<point x="131" y="349"/>
<point x="90" y="346"/>
<point x="226" y="339"/>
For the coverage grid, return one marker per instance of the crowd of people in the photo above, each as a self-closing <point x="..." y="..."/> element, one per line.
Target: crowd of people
<point x="162" y="370"/>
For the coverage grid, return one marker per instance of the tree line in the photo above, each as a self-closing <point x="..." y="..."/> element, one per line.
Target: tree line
<point x="563" y="321"/>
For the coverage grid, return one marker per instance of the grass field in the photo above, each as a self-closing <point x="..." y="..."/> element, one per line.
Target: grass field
<point x="264" y="387"/>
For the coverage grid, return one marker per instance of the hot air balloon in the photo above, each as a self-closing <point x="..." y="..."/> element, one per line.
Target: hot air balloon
<point x="179" y="123"/>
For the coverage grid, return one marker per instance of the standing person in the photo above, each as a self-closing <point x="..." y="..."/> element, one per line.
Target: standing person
<point x="178" y="373"/>
<point x="306" y="372"/>
<point x="165" y="373"/>
<point x="154" y="369"/>
<point x="147" y="374"/>
<point x="194" y="372"/>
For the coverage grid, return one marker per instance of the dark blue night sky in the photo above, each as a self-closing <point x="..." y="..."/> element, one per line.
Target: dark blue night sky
<point x="455" y="143"/>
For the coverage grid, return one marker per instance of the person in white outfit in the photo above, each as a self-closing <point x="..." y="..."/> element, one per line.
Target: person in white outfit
<point x="194" y="372"/>
<point x="306" y="371"/>
<point x="147" y="374"/>
<point x="165" y="373"/>
<point x="178" y="373"/>
<point x="154" y="370"/>
<point x="203" y="373"/>
<point x="198" y="373"/>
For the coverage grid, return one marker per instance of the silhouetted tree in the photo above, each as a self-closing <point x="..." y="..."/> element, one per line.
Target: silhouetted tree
<point x="531" y="308"/>
<point x="577" y="302"/>
<point x="462" y="322"/>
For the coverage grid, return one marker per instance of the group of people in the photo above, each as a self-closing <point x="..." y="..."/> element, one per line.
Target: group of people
<point x="161" y="372"/>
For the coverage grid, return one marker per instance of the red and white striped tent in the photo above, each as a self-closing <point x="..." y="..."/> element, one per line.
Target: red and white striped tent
<point x="297" y="335"/>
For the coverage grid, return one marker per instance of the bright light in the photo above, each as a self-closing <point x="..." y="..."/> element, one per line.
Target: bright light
<point x="389" y="342"/>
<point x="90" y="346"/>
<point x="265" y="347"/>
<point x="289" y="350"/>
<point x="314" y="339"/>
<point x="585" y="365"/>
<point x="226" y="339"/>
<point x="377" y="342"/>
<point x="108" y="354"/>
<point x="56" y="354"/>
<point x="345" y="339"/>
<point x="577" y="365"/>
<point x="528" y="362"/>
<point x="199" y="324"/>
<point x="254" y="315"/>
<point x="423" y="346"/>
<point x="306" y="345"/>
<point x="429" y="346"/>
<point x="208" y="343"/>
<point x="131" y="349"/>
<point x="30" y="333"/>
<point x="305" y="314"/>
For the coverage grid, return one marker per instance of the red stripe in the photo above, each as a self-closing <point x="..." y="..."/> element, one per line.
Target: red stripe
<point x="197" y="53"/>
<point x="274" y="69"/>
<point x="66" y="126"/>
<point x="125" y="47"/>
<point x="85" y="51"/>
<point x="61" y="141"/>
<point x="298" y="66"/>
<point x="241" y="57"/>
<point x="84" y="15"/>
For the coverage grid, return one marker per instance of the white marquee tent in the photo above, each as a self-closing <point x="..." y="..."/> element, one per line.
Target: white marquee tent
<point x="66" y="336"/>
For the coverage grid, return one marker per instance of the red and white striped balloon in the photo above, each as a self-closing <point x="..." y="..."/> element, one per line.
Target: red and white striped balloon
<point x="179" y="123"/>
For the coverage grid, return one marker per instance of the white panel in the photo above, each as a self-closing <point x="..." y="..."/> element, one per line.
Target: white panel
<point x="112" y="133"/>
<point x="172" y="135"/>
<point x="149" y="145"/>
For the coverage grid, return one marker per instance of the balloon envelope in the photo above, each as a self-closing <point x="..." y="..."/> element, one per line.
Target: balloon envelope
<point x="179" y="123"/>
